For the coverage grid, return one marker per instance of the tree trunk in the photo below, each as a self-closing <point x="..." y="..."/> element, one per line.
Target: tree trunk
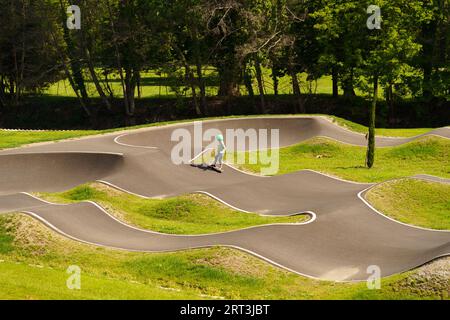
<point x="248" y="82"/>
<point x="72" y="84"/>
<point x="2" y="92"/>
<point x="299" y="106"/>
<point x="202" y="86"/>
<point x="131" y="77"/>
<point x="138" y="85"/>
<point x="427" y="89"/>
<point x="229" y="80"/>
<point x="335" y="79"/>
<point x="428" y="43"/>
<point x="259" y="79"/>
<point x="372" y="114"/>
<point x="97" y="84"/>
<point x="119" y="61"/>
<point x="390" y="102"/>
<point x="275" y="81"/>
<point x="189" y="76"/>
<point x="74" y="62"/>
<point x="349" y="89"/>
<point x="199" y="71"/>
<point x="15" y="93"/>
<point x="191" y="80"/>
<point x="66" y="69"/>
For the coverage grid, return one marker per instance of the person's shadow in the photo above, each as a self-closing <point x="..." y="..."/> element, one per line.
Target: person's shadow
<point x="205" y="167"/>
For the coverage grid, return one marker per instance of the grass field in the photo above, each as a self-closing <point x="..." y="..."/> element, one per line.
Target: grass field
<point x="189" y="214"/>
<point x="155" y="84"/>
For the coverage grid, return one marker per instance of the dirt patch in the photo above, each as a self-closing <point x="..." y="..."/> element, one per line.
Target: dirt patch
<point x="238" y="263"/>
<point x="33" y="238"/>
<point x="28" y="233"/>
<point x="432" y="279"/>
<point x="107" y="189"/>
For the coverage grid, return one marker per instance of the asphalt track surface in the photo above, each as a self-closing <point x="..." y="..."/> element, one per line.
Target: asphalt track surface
<point x="344" y="236"/>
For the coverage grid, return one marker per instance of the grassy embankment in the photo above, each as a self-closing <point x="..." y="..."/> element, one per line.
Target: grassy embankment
<point x="33" y="263"/>
<point x="189" y="214"/>
<point x="427" y="155"/>
<point x="421" y="203"/>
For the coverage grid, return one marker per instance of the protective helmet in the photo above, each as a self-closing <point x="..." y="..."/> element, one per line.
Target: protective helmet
<point x="219" y="137"/>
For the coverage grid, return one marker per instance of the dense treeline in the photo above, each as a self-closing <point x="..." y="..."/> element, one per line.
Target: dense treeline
<point x="119" y="40"/>
<point x="408" y="56"/>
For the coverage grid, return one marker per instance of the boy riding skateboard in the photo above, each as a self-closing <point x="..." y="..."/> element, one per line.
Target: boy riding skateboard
<point x="218" y="160"/>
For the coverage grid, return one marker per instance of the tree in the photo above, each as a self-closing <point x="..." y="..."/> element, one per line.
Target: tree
<point x="434" y="59"/>
<point x="27" y="60"/>
<point x="131" y="42"/>
<point x="388" y="51"/>
<point x="238" y="32"/>
<point x="339" y="25"/>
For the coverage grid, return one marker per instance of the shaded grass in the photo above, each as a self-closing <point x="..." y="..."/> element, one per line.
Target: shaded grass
<point x="188" y="214"/>
<point x="39" y="272"/>
<point x="421" y="203"/>
<point x="427" y="155"/>
<point x="13" y="139"/>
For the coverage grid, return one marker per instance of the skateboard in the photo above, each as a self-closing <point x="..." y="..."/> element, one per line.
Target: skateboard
<point x="215" y="169"/>
<point x="207" y="167"/>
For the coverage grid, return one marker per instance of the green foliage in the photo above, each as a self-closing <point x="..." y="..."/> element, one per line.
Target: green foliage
<point x="121" y="41"/>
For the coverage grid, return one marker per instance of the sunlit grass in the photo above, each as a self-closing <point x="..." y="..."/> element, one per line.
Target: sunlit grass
<point x="428" y="155"/>
<point x="189" y="214"/>
<point x="410" y="132"/>
<point x="156" y="84"/>
<point x="421" y="203"/>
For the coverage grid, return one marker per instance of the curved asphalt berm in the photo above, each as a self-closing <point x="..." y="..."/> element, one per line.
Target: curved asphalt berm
<point x="346" y="237"/>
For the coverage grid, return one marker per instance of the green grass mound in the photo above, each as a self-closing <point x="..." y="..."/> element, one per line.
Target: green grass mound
<point x="427" y="155"/>
<point x="34" y="267"/>
<point x="188" y="214"/>
<point x="420" y="203"/>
